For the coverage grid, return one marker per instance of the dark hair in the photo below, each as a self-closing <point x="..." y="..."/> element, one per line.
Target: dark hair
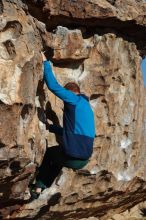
<point x="72" y="86"/>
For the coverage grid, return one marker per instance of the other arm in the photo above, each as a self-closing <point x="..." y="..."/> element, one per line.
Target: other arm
<point x="56" y="129"/>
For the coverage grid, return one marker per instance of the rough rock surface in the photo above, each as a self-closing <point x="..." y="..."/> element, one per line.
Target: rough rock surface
<point x="98" y="44"/>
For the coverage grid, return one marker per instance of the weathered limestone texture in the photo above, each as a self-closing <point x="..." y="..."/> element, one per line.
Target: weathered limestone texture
<point x="99" y="45"/>
<point x="22" y="140"/>
<point x="128" y="10"/>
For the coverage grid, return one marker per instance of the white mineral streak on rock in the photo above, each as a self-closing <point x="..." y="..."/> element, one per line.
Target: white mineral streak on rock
<point x="94" y="170"/>
<point x="3" y="53"/>
<point x="122" y="93"/>
<point x="94" y="103"/>
<point x="123" y="176"/>
<point x="29" y="56"/>
<point x="83" y="75"/>
<point x="3" y="22"/>
<point x="37" y="102"/>
<point x="127" y="117"/>
<point x="7" y="35"/>
<point x="62" y="180"/>
<point x="37" y="204"/>
<point x="125" y="143"/>
<point x="10" y="83"/>
<point x="119" y="92"/>
<point x="3" y="154"/>
<point x="46" y="194"/>
<point x="75" y="74"/>
<point x="96" y="39"/>
<point x="131" y="104"/>
<point x="129" y="160"/>
<point x="42" y="125"/>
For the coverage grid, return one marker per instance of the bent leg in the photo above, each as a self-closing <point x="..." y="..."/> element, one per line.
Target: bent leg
<point x="51" y="166"/>
<point x="53" y="161"/>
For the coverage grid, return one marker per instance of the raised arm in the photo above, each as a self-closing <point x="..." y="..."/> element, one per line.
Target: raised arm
<point x="56" y="88"/>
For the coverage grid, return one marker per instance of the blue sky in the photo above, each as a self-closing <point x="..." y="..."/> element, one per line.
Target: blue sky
<point x="143" y="67"/>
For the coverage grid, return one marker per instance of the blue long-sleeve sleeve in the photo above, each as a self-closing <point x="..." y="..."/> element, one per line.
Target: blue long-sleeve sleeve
<point x="56" y="88"/>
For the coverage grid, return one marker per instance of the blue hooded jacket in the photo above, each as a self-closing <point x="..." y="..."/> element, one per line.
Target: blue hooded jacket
<point x="78" y="119"/>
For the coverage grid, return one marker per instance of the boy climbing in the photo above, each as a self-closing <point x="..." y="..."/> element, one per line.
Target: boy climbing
<point x="78" y="132"/>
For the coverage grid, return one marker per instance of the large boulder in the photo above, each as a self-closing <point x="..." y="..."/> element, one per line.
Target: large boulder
<point x="99" y="45"/>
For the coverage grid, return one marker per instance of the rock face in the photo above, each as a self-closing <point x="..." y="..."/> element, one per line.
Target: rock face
<point x="99" y="45"/>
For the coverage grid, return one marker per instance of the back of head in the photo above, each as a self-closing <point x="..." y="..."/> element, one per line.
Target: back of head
<point x="72" y="86"/>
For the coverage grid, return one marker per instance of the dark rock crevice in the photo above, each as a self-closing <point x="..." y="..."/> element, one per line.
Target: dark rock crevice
<point x="1" y="7"/>
<point x="128" y="30"/>
<point x="10" y="48"/>
<point x="14" y="27"/>
<point x="112" y="2"/>
<point x="2" y="145"/>
<point x="26" y="111"/>
<point x="35" y="8"/>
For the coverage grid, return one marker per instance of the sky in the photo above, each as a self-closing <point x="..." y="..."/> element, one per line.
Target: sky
<point x="143" y="67"/>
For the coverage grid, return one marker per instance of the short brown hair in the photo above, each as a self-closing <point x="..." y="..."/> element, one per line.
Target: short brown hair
<point x="72" y="86"/>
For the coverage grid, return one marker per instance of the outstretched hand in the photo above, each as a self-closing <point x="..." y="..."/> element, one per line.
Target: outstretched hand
<point x="43" y="56"/>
